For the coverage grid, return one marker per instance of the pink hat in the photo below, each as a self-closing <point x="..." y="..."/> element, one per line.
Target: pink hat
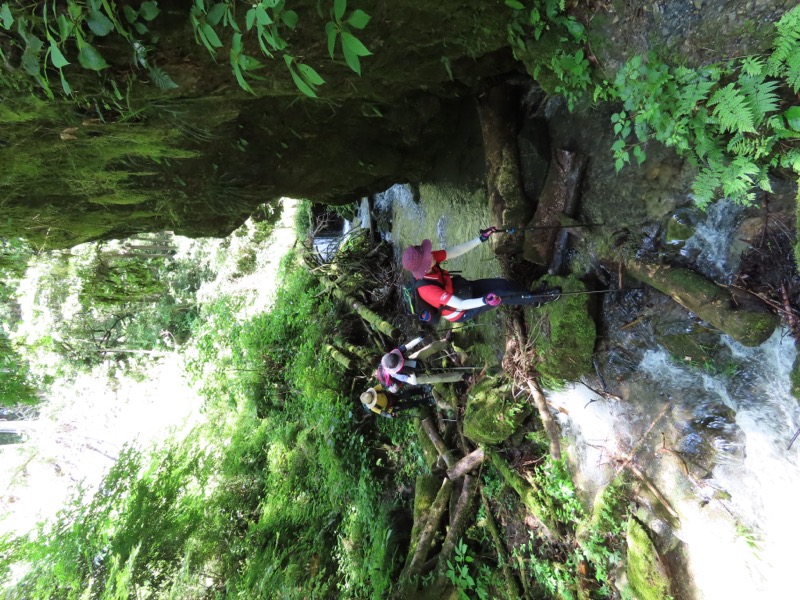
<point x="392" y="361"/>
<point x="417" y="259"/>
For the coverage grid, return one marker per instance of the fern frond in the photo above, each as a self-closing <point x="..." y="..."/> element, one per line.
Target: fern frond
<point x="760" y="96"/>
<point x="791" y="160"/>
<point x="693" y="94"/>
<point x="732" y="110"/>
<point x="754" y="66"/>
<point x="161" y="79"/>
<point x="787" y="41"/>
<point x="792" y="71"/>
<point x="705" y="186"/>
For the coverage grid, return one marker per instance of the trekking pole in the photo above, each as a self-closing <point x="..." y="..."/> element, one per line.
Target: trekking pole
<point x="511" y="230"/>
<point x="526" y="296"/>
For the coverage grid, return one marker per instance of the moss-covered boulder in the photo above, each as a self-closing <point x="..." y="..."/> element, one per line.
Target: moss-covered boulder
<point x="493" y="414"/>
<point x="646" y="576"/>
<point x="563" y="332"/>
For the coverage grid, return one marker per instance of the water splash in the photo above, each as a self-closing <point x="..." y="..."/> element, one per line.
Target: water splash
<point x="739" y="524"/>
<point x="708" y="247"/>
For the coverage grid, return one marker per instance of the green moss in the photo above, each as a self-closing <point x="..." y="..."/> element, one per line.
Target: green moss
<point x="646" y="576"/>
<point x="493" y="415"/>
<point x="429" y="453"/>
<point x="563" y="332"/>
<point x="425" y="491"/>
<point x="794" y="378"/>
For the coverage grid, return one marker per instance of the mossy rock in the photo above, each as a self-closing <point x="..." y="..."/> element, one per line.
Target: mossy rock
<point x="681" y="226"/>
<point x="493" y="415"/>
<point x="794" y="378"/>
<point x="563" y="332"/>
<point x="646" y="576"/>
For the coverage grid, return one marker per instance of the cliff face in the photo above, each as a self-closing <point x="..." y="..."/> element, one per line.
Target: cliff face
<point x="197" y="159"/>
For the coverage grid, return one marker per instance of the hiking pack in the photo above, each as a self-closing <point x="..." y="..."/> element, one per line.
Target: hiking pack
<point x="417" y="306"/>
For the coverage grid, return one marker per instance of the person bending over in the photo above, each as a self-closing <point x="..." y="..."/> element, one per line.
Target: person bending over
<point x="458" y="299"/>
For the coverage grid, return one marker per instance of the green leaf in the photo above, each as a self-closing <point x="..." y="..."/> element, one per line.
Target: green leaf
<point x="262" y="17"/>
<point x="149" y="10"/>
<point x="216" y="13"/>
<point x="250" y="19"/>
<point x="241" y="80"/>
<point x="339" y="6"/>
<point x="130" y="14"/>
<point x="289" y="18"/>
<point x="64" y="84"/>
<point x="90" y="58"/>
<point x="236" y="45"/>
<point x="64" y="27"/>
<point x="6" y="18"/>
<point x="301" y="85"/>
<point x="140" y="28"/>
<point x="351" y="58"/>
<point x="56" y="57"/>
<point x="355" y="46"/>
<point x="211" y="36"/>
<point x="515" y="5"/>
<point x="310" y="75"/>
<point x="792" y="115"/>
<point x="331" y="31"/>
<point x="249" y="63"/>
<point x="358" y="19"/>
<point x="99" y="23"/>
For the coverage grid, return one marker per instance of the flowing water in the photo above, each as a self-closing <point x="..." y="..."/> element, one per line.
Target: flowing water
<point x="712" y="436"/>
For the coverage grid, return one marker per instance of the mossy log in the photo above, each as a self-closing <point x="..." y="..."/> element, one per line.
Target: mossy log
<point x="339" y="356"/>
<point x="425" y="492"/>
<point x="503" y="559"/>
<point x="374" y="319"/>
<point x="461" y="516"/>
<point x="526" y="490"/>
<point x="748" y="323"/>
<point x="432" y="522"/>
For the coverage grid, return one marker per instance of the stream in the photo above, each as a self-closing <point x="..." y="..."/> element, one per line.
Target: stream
<point x="705" y="420"/>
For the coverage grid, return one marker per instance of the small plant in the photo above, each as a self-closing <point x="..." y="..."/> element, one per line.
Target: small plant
<point x="458" y="572"/>
<point x="341" y="28"/>
<point x="728" y="118"/>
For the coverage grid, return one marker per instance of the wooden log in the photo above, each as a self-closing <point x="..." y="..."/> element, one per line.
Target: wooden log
<point x="339" y="356"/>
<point x="461" y="516"/>
<point x="466" y="464"/>
<point x="527" y="491"/>
<point x="553" y="432"/>
<point x="503" y="559"/>
<point x="374" y="319"/>
<point x="430" y="429"/>
<point x="750" y="325"/>
<point x="558" y="198"/>
<point x="433" y="520"/>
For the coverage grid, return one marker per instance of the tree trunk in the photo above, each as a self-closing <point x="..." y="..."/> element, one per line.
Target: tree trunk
<point x="339" y="356"/>
<point x="429" y="428"/>
<point x="375" y="320"/>
<point x="433" y="520"/>
<point x="461" y="516"/>
<point x="553" y="432"/>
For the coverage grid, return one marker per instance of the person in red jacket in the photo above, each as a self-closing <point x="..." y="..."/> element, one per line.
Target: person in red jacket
<point x="458" y="299"/>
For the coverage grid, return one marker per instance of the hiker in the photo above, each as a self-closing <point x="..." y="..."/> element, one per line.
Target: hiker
<point x="385" y="403"/>
<point x="396" y="369"/>
<point x="459" y="299"/>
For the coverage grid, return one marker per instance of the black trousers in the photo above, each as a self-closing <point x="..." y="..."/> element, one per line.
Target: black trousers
<point x="511" y="293"/>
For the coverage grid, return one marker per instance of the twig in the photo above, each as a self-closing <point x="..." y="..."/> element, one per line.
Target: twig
<point x="636" y="446"/>
<point x="794" y="437"/>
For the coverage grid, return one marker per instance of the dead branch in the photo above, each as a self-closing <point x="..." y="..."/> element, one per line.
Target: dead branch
<point x="550" y="426"/>
<point x="466" y="464"/>
<point x="441" y="448"/>
<point x="653" y="489"/>
<point x="641" y="440"/>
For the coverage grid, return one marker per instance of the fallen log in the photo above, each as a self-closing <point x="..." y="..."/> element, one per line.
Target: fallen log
<point x="750" y="325"/>
<point x="429" y="428"/>
<point x="512" y="589"/>
<point x="466" y="464"/>
<point x="461" y="516"/>
<point x="374" y="319"/>
<point x="527" y="491"/>
<point x="558" y="198"/>
<point x="433" y="520"/>
<point x="339" y="356"/>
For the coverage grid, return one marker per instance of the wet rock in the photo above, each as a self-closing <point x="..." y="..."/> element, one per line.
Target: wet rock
<point x="681" y="225"/>
<point x="534" y="156"/>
